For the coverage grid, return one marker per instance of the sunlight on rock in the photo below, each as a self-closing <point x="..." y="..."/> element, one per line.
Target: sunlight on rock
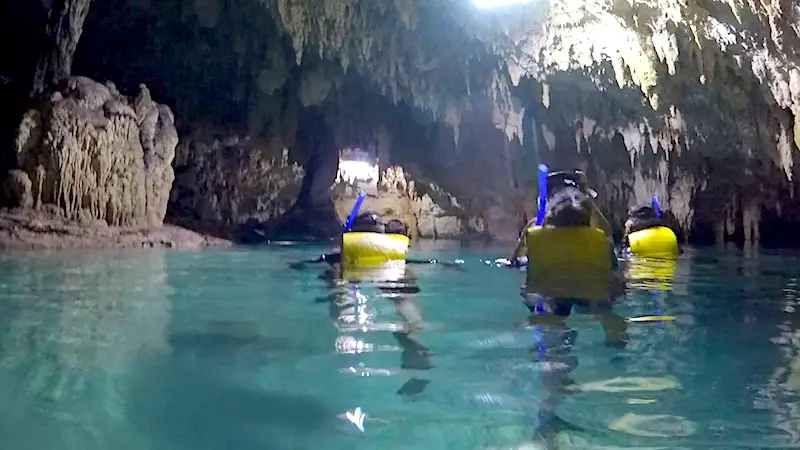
<point x="358" y="168"/>
<point x="358" y="172"/>
<point x="425" y="207"/>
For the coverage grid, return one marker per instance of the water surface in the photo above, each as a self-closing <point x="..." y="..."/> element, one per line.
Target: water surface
<point x="153" y="350"/>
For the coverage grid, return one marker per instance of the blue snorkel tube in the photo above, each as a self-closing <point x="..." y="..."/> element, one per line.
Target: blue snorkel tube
<point x="657" y="206"/>
<point x="541" y="208"/>
<point x="539" y="307"/>
<point x="544" y="171"/>
<point x="352" y="217"/>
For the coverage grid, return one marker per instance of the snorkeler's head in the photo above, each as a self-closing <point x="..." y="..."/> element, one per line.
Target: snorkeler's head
<point x="644" y="211"/>
<point x="557" y="181"/>
<point x="641" y="217"/>
<point x="368" y="222"/>
<point x="396" y="226"/>
<point x="567" y="207"/>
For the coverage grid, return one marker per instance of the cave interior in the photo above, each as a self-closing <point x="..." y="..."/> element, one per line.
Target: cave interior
<point x="697" y="102"/>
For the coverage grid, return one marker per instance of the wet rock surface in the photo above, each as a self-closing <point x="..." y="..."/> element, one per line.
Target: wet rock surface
<point x="426" y="208"/>
<point x="227" y="185"/>
<point x="47" y="230"/>
<point x="96" y="155"/>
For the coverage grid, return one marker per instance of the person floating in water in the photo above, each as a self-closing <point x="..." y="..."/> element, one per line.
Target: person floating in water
<point x="573" y="181"/>
<point x="654" y="249"/>
<point x="373" y="253"/>
<point x="571" y="263"/>
<point x="571" y="258"/>
<point x="647" y="233"/>
<point x="371" y="222"/>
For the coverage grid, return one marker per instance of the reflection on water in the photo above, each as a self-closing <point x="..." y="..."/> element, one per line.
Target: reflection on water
<point x="67" y="319"/>
<point x="784" y="384"/>
<point x="230" y="349"/>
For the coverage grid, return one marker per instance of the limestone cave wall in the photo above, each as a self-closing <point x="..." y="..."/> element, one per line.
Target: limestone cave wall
<point x="695" y="101"/>
<point x="241" y="101"/>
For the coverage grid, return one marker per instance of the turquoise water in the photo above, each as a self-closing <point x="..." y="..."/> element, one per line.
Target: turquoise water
<point x="153" y="350"/>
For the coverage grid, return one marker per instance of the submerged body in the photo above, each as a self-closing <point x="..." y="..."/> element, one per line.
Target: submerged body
<point x="569" y="268"/>
<point x="397" y="284"/>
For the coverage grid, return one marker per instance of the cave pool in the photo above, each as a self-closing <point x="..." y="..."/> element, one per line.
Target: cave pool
<point x="230" y="349"/>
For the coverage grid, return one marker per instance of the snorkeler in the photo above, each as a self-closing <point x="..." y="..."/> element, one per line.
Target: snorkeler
<point x="558" y="183"/>
<point x="373" y="253"/>
<point x="570" y="256"/>
<point x="371" y="222"/>
<point x="647" y="233"/>
<point x="366" y="222"/>
<point x="571" y="264"/>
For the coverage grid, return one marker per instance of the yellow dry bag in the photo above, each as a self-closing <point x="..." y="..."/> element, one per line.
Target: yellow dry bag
<point x="655" y="242"/>
<point x="569" y="262"/>
<point x="373" y="249"/>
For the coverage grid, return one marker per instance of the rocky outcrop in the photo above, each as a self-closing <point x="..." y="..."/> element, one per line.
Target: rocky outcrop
<point x="97" y="155"/>
<point x="234" y="184"/>
<point x="428" y="211"/>
<point x="94" y="170"/>
<point x="223" y="185"/>
<point x="46" y="229"/>
<point x="18" y="187"/>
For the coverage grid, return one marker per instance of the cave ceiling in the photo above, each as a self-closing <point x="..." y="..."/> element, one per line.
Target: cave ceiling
<point x="684" y="80"/>
<point x="717" y="80"/>
<point x="441" y="54"/>
<point x="682" y="57"/>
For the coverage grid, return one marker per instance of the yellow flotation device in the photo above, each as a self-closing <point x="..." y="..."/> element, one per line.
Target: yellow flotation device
<point x="655" y="242"/>
<point x="569" y="262"/>
<point x="364" y="249"/>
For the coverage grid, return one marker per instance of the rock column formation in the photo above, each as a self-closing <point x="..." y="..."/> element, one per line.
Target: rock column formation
<point x="97" y="156"/>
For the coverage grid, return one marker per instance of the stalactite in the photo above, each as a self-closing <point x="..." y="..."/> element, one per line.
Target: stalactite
<point x="549" y="137"/>
<point x="719" y="232"/>
<point x="452" y="117"/>
<point x="751" y="219"/>
<point x="786" y="153"/>
<point x="40" y="176"/>
<point x="730" y="216"/>
<point x="376" y="38"/>
<point x="509" y="121"/>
